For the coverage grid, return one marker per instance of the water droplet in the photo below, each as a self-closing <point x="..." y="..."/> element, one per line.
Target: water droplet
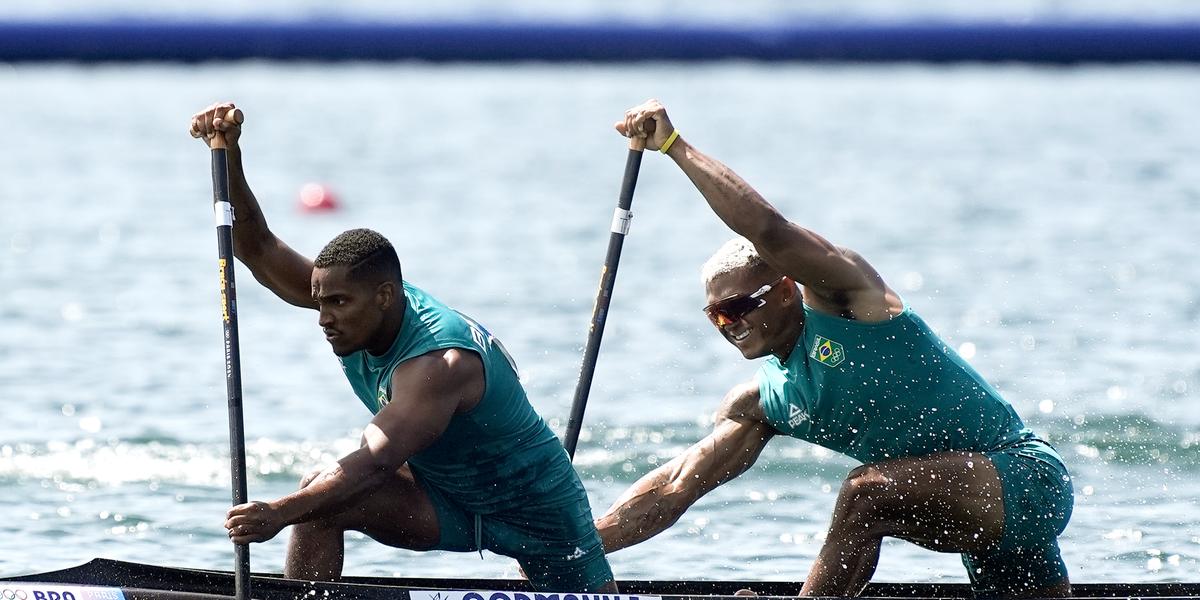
<point x="90" y="424"/>
<point x="19" y="243"/>
<point x="913" y="281"/>
<point x="108" y="234"/>
<point x="72" y="311"/>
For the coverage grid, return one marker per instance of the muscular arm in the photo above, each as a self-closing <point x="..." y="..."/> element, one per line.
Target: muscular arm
<point x="281" y="269"/>
<point x="792" y="250"/>
<point x="426" y="393"/>
<point x="839" y="281"/>
<point x="273" y="263"/>
<point x="659" y="498"/>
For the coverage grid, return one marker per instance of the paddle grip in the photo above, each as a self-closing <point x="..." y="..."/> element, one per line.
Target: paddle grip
<point x="218" y="138"/>
<point x="638" y="142"/>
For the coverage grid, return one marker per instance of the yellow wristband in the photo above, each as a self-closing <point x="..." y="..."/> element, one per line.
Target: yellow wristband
<point x="670" y="140"/>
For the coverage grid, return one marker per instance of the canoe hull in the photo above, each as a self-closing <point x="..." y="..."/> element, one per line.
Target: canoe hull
<point x="137" y="581"/>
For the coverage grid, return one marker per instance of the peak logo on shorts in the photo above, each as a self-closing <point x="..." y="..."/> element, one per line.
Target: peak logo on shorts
<point x="827" y="352"/>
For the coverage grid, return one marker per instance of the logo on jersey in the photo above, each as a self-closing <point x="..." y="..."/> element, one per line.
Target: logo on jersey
<point x="827" y="352"/>
<point x="486" y="341"/>
<point x="382" y="398"/>
<point x="796" y="416"/>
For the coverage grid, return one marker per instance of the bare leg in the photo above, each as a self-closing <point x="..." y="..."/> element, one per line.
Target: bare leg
<point x="398" y="513"/>
<point x="949" y="502"/>
<point x="315" y="552"/>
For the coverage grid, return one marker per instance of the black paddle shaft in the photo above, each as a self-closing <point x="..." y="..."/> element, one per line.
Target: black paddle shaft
<point x="233" y="363"/>
<point x="608" y="277"/>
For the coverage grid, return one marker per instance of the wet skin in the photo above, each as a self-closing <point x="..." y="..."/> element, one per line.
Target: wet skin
<point x="770" y="329"/>
<point x="355" y="314"/>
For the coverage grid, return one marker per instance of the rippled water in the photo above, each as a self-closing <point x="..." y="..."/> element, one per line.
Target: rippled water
<point x="1043" y="220"/>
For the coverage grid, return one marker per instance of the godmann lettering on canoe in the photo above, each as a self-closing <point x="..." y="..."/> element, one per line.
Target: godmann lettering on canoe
<point x="456" y="595"/>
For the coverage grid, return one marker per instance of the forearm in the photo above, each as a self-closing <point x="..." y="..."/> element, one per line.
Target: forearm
<point x="742" y="208"/>
<point x="648" y="508"/>
<point x="413" y="421"/>
<point x="333" y="490"/>
<point x="273" y="263"/>
<point x="251" y="236"/>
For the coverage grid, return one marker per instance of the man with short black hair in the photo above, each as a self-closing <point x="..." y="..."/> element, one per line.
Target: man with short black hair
<point x="455" y="457"/>
<point x="948" y="464"/>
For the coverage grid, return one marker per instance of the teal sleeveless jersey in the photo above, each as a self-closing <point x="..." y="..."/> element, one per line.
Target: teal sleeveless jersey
<point x="883" y="390"/>
<point x="497" y="456"/>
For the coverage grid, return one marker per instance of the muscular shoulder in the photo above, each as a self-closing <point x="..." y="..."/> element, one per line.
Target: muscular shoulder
<point x="441" y="363"/>
<point x="742" y="404"/>
<point x="450" y="372"/>
<point x="873" y="302"/>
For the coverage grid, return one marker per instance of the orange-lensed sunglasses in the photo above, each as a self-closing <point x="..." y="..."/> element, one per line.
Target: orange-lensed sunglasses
<point x="731" y="309"/>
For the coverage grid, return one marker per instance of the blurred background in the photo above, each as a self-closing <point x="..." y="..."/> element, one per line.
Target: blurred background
<point x="750" y="11"/>
<point x="1037" y="216"/>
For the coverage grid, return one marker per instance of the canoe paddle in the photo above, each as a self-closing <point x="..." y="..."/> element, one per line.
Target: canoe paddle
<point x="608" y="277"/>
<point x="233" y="362"/>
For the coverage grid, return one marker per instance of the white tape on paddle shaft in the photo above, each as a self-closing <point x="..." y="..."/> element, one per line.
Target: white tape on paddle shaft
<point x="223" y="214"/>
<point x="621" y="219"/>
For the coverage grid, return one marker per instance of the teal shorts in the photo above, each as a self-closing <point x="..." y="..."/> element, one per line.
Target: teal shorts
<point x="1038" y="499"/>
<point x="556" y="544"/>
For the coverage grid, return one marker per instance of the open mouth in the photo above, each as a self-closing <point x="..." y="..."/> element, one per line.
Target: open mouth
<point x="739" y="336"/>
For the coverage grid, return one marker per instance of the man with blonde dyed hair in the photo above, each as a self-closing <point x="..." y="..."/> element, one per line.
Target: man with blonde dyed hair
<point x="947" y="463"/>
<point x="736" y="254"/>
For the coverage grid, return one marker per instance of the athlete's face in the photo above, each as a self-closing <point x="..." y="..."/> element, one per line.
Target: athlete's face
<point x="753" y="319"/>
<point x="351" y="311"/>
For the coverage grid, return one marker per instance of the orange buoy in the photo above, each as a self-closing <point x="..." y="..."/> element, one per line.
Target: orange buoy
<point x="315" y="197"/>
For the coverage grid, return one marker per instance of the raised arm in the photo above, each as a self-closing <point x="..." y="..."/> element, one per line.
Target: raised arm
<point x="659" y="498"/>
<point x="426" y="393"/>
<point x="274" y="264"/>
<point x="840" y="277"/>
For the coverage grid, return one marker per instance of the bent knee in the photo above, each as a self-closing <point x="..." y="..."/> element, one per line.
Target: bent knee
<point x="865" y="484"/>
<point x="868" y="497"/>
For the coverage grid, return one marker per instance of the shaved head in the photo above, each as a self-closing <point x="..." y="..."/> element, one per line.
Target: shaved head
<point x="365" y="253"/>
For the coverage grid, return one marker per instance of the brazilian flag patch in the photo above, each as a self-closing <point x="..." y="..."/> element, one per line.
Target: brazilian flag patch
<point x="827" y="352"/>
